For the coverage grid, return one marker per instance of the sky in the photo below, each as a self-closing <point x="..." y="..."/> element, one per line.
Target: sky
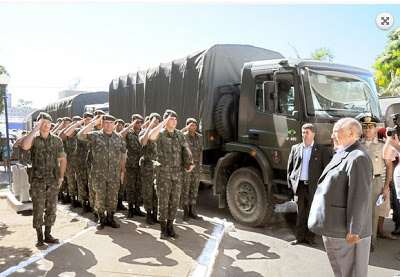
<point x="44" y="46"/>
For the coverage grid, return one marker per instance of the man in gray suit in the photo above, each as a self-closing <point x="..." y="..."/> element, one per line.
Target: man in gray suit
<point x="306" y="162"/>
<point x="341" y="210"/>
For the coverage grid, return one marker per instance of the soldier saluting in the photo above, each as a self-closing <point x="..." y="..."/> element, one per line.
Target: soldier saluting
<point x="109" y="157"/>
<point x="48" y="168"/>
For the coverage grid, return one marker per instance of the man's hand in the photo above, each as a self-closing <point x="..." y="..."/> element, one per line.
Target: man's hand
<point x="352" y="239"/>
<point x="385" y="192"/>
<point x="190" y="168"/>
<point x="60" y="181"/>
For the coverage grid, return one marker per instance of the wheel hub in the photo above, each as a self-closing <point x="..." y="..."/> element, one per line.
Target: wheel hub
<point x="246" y="198"/>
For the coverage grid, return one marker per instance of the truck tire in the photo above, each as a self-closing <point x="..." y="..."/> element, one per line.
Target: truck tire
<point x="247" y="197"/>
<point x="224" y="117"/>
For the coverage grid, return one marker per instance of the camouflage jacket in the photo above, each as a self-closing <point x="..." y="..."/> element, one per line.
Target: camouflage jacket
<point x="81" y="150"/>
<point x="107" y="151"/>
<point x="169" y="148"/>
<point x="149" y="152"/>
<point x="45" y="154"/>
<point x="195" y="144"/>
<point x="133" y="147"/>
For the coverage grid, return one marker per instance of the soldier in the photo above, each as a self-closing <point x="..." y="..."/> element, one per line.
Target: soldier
<point x="148" y="164"/>
<point x="80" y="155"/>
<point x="171" y="145"/>
<point x="89" y="161"/>
<point x="64" y="193"/>
<point x="70" y="147"/>
<point x="375" y="152"/>
<point x="190" y="185"/>
<point x="109" y="155"/>
<point x="133" y="175"/>
<point x="119" y="125"/>
<point x="48" y="168"/>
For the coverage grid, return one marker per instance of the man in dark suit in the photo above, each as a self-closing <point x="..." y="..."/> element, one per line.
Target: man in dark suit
<point x="307" y="160"/>
<point x="341" y="210"/>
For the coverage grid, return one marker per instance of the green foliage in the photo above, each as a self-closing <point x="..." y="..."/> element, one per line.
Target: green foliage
<point x="322" y="53"/>
<point x="387" y="66"/>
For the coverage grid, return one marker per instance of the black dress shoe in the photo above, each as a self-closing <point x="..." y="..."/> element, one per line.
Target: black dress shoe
<point x="312" y="243"/>
<point x="296" y="241"/>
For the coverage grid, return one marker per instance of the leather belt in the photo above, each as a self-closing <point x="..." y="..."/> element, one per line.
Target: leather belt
<point x="304" y="182"/>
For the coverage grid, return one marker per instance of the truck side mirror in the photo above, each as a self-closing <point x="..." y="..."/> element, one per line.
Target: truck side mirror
<point x="296" y="115"/>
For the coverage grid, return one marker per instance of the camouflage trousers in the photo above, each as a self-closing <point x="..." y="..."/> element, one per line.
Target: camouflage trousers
<point x="71" y="180"/>
<point x="168" y="191"/>
<point x="149" y="193"/>
<point x="133" y="181"/>
<point x="91" y="188"/>
<point x="82" y="183"/>
<point x="106" y="194"/>
<point x="190" y="187"/>
<point x="122" y="187"/>
<point x="43" y="193"/>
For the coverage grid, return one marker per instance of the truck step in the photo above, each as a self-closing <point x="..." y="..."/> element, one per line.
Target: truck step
<point x="280" y="181"/>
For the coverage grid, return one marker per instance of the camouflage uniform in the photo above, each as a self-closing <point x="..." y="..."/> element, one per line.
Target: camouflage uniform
<point x="81" y="167"/>
<point x="107" y="151"/>
<point x="190" y="186"/>
<point x="133" y="174"/>
<point x="43" y="190"/>
<point x="149" y="153"/>
<point x="89" y="161"/>
<point x="169" y="150"/>
<point x="69" y="147"/>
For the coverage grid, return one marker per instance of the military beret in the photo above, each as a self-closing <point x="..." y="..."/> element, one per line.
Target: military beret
<point x="156" y="115"/>
<point x="191" y="120"/>
<point x="99" y="112"/>
<point x="118" y="121"/>
<point x="368" y="120"/>
<point x="76" y="118"/>
<point x="170" y="112"/>
<point x="44" y="116"/>
<point x="88" y="114"/>
<point x="60" y="119"/>
<point x="108" y="117"/>
<point x="147" y="118"/>
<point x="126" y="125"/>
<point x="67" y="119"/>
<point x="136" y="116"/>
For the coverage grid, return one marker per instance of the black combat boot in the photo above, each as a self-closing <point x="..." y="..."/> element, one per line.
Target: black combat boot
<point x="170" y="229"/>
<point x="164" y="232"/>
<point x="73" y="202"/>
<point x="137" y="211"/>
<point x="155" y="213"/>
<point x="149" y="218"/>
<point x="84" y="207"/>
<point x="101" y="221"/>
<point x="120" y="206"/>
<point x="48" y="237"/>
<point x="193" y="214"/>
<point x="130" y="210"/>
<point x="111" y="221"/>
<point x="61" y="198"/>
<point x="95" y="217"/>
<point x="39" y="233"/>
<point x="185" y="213"/>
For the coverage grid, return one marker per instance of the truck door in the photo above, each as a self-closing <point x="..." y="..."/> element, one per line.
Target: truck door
<point x="274" y="123"/>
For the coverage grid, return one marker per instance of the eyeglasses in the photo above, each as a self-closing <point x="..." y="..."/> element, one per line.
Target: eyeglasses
<point x="368" y="126"/>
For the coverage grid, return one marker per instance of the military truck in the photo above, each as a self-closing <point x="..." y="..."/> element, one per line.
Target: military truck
<point x="250" y="103"/>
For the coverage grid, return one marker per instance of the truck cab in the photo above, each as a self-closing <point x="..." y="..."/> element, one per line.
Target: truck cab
<point x="276" y="98"/>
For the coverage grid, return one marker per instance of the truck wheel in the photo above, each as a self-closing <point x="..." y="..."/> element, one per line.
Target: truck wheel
<point x="224" y="117"/>
<point x="247" y="197"/>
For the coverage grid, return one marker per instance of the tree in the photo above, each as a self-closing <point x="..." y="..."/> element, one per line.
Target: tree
<point x="24" y="103"/>
<point x="322" y="53"/>
<point x="387" y="66"/>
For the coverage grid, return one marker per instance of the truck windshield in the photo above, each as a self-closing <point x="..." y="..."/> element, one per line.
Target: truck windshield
<point x="340" y="94"/>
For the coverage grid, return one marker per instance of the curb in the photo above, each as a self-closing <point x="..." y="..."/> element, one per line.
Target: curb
<point x="207" y="257"/>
